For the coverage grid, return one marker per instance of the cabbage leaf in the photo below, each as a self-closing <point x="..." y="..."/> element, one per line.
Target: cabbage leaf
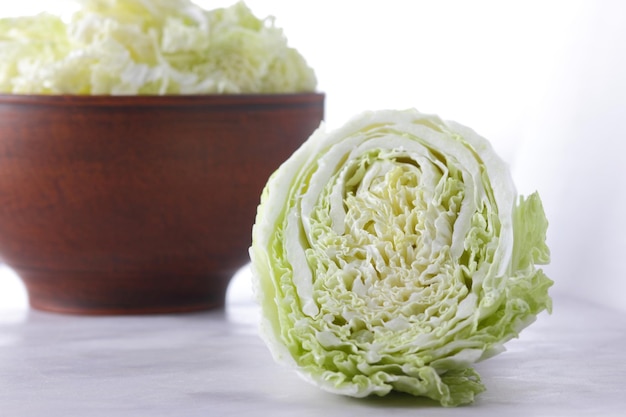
<point x="129" y="47"/>
<point x="394" y="253"/>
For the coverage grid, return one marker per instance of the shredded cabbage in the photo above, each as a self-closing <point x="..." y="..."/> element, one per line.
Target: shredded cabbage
<point x="393" y="254"/>
<point x="128" y="47"/>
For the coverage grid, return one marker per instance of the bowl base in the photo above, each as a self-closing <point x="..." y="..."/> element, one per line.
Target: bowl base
<point x="119" y="293"/>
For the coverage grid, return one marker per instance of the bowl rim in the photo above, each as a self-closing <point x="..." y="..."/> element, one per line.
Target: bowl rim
<point x="306" y="99"/>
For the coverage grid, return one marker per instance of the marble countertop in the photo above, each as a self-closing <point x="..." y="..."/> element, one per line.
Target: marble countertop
<point x="570" y="363"/>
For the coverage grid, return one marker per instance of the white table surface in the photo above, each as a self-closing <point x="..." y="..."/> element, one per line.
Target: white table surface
<point x="570" y="363"/>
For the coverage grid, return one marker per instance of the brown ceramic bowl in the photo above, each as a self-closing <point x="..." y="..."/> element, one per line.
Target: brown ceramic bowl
<point x="138" y="204"/>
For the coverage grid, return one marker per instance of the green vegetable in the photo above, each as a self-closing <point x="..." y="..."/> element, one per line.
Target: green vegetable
<point x="128" y="47"/>
<point x="393" y="254"/>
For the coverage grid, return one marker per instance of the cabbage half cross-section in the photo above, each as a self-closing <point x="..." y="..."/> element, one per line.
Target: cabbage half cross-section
<point x="394" y="253"/>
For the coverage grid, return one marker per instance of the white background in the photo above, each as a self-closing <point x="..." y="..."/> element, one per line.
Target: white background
<point x="545" y="81"/>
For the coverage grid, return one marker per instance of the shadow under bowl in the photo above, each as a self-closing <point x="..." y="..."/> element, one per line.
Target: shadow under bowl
<point x="138" y="204"/>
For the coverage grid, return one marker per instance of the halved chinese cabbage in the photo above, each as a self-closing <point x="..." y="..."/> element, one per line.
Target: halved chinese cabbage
<point x="393" y="254"/>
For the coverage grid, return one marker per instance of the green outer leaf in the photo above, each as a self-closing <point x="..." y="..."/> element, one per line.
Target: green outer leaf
<point x="393" y="254"/>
